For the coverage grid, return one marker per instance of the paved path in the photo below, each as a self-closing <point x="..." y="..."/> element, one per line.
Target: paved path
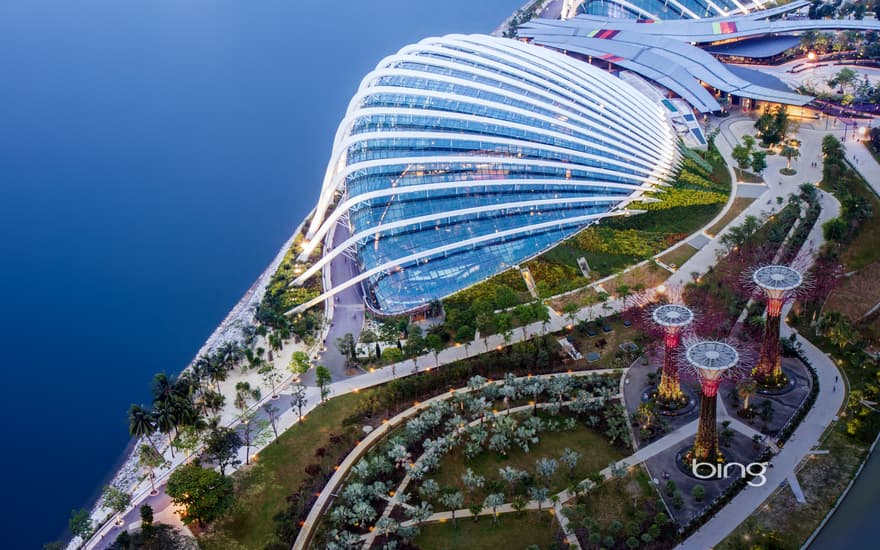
<point x="823" y="413"/>
<point x="341" y="473"/>
<point x="732" y="129"/>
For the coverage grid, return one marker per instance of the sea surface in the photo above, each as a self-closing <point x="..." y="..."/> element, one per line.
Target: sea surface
<point x="154" y="155"/>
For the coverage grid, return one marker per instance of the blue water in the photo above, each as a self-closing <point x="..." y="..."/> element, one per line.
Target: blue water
<point x="154" y="154"/>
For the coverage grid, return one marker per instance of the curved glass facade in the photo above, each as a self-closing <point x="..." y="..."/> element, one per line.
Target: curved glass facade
<point x="462" y="156"/>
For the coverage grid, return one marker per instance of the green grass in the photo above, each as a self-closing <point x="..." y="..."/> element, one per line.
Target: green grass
<point x="739" y="204"/>
<point x="822" y="478"/>
<point x="747" y="177"/>
<point x="278" y="472"/>
<point x="676" y="258"/>
<point x="618" y="335"/>
<point x="619" y="242"/>
<point x="514" y="531"/>
<point x="595" y="451"/>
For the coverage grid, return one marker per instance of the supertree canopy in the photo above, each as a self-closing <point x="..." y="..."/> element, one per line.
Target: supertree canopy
<point x="673" y="318"/>
<point x="779" y="284"/>
<point x="711" y="361"/>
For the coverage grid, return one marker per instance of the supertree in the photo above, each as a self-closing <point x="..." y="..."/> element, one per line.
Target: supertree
<point x="779" y="284"/>
<point x="673" y="319"/>
<point x="711" y="361"/>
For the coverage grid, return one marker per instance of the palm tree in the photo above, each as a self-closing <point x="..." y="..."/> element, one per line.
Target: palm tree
<point x="150" y="459"/>
<point x="141" y="423"/>
<point x="789" y="153"/>
<point x="166" y="422"/>
<point x="244" y="392"/>
<point x="746" y="388"/>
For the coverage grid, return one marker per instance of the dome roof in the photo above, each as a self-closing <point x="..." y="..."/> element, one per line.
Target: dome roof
<point x="462" y="156"/>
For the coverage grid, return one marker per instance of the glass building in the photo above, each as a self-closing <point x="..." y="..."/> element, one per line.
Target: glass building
<point x="462" y="156"/>
<point x="669" y="9"/>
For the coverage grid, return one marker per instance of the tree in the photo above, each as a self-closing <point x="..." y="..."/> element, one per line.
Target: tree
<point x="746" y="388"/>
<point x="298" y="398"/>
<point x="299" y="362"/>
<point x="464" y="336"/>
<point x="243" y="394"/>
<point x="272" y="413"/>
<point x="698" y="492"/>
<point x="834" y="229"/>
<point x="472" y="481"/>
<point x="80" y="523"/>
<point x="759" y="161"/>
<point x="453" y="500"/>
<point x="323" y="378"/>
<point x="546" y="467"/>
<point x="392" y="355"/>
<point x="166" y="419"/>
<point x="415" y="344"/>
<point x="493" y="501"/>
<point x="146" y="512"/>
<point x="206" y="495"/>
<point x="742" y="156"/>
<point x="789" y="153"/>
<point x="116" y="500"/>
<point x="538" y="494"/>
<point x="844" y="78"/>
<point x="420" y="513"/>
<point x="570" y="459"/>
<point x="271" y="377"/>
<point x="141" y="424"/>
<point x="429" y="489"/>
<point x="435" y="344"/>
<point x="254" y="432"/>
<point x="623" y="291"/>
<point x="222" y="447"/>
<point x="347" y="347"/>
<point x="150" y="459"/>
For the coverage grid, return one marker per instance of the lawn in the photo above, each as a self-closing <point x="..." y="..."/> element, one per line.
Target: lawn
<point x="618" y="509"/>
<point x="261" y="490"/>
<point x="514" y="531"/>
<point x="615" y="243"/>
<point x="863" y="249"/>
<point x="822" y="478"/>
<point x="596" y="454"/>
<point x="583" y="298"/>
<point x="677" y="257"/>
<point x="857" y="294"/>
<point x="608" y="350"/>
<point x="645" y="276"/>
<point x="739" y="204"/>
<point x="747" y="177"/>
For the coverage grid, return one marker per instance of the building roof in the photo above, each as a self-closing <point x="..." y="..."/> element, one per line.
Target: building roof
<point x="679" y="66"/>
<point x="755" y="48"/>
<point x="462" y="156"/>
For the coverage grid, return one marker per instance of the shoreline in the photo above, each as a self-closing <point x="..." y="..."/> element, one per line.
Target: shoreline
<point x="124" y="471"/>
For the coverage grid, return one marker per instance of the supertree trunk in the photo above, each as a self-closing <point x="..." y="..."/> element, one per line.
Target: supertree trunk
<point x="706" y="444"/>
<point x="768" y="371"/>
<point x="669" y="392"/>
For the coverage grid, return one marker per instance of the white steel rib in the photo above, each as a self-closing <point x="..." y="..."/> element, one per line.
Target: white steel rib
<point x="468" y="154"/>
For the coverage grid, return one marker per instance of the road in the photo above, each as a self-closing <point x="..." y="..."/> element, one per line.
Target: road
<point x="348" y="312"/>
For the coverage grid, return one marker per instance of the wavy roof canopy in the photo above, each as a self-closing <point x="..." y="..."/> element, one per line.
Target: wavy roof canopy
<point x="665" y="51"/>
<point x="686" y="9"/>
<point x="462" y="156"/>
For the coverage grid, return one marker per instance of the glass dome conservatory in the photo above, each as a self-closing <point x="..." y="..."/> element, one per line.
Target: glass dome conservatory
<point x="462" y="156"/>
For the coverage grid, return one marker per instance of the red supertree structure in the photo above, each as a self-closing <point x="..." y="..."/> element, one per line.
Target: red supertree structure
<point x="712" y="361"/>
<point x="779" y="284"/>
<point x="673" y="320"/>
